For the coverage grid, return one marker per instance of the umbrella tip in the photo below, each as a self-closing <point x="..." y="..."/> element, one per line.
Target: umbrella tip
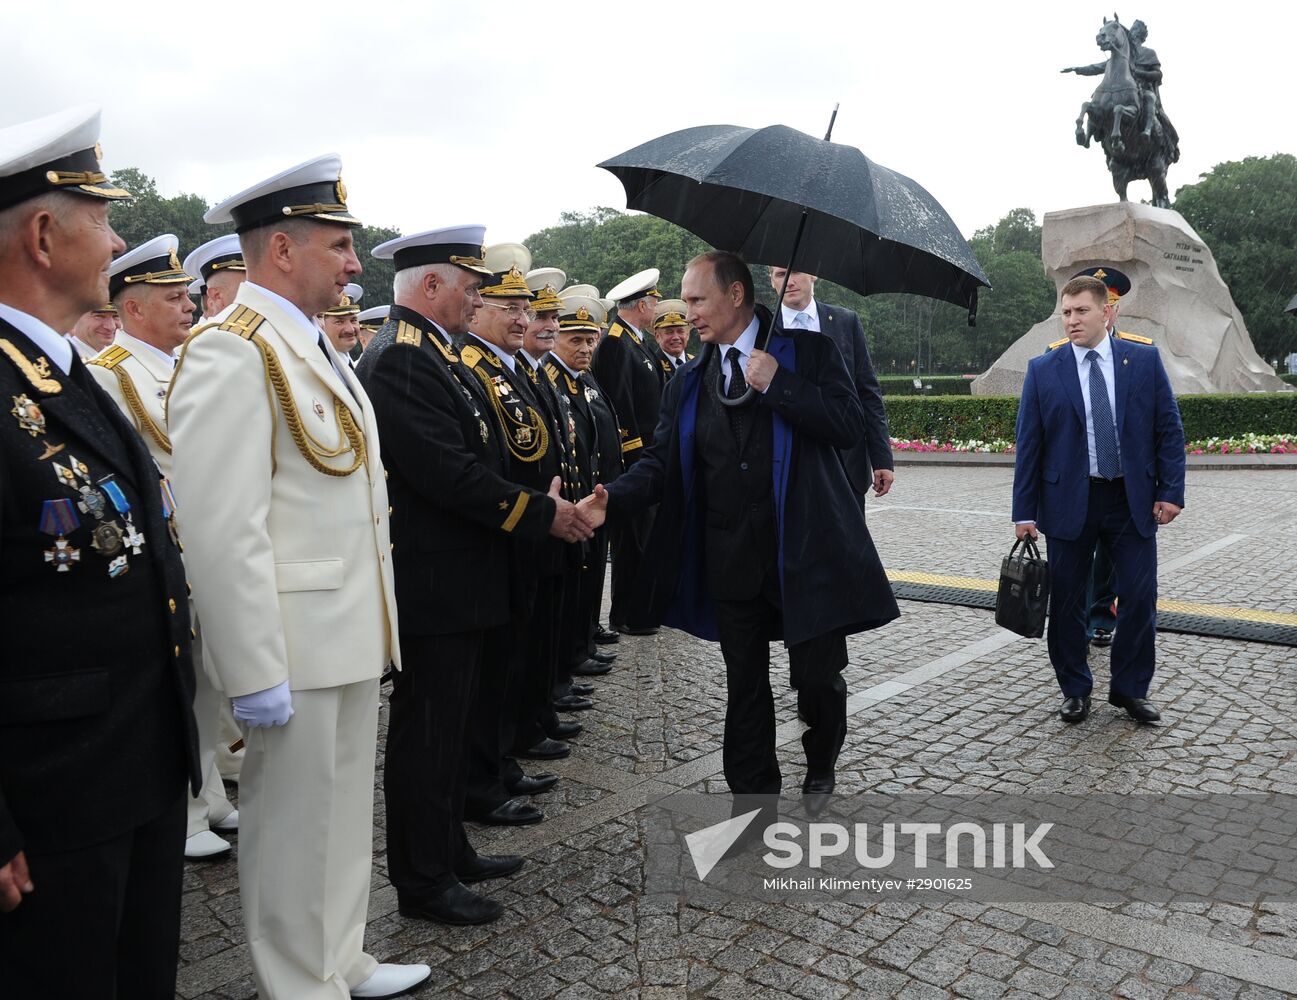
<point x="832" y="118"/>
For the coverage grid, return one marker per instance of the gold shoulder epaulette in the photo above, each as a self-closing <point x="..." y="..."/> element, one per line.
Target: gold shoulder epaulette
<point x="243" y="321"/>
<point x="408" y="333"/>
<point x="551" y="373"/>
<point x="470" y="355"/>
<point x="110" y="358"/>
<point x="1135" y="337"/>
<point x="617" y="330"/>
<point x="1057" y="343"/>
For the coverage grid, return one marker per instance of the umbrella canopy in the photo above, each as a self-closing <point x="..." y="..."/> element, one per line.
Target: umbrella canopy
<point x="744" y="190"/>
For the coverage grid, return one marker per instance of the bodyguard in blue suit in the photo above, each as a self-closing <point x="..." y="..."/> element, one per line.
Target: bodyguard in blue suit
<point x="758" y="534"/>
<point x="1100" y="454"/>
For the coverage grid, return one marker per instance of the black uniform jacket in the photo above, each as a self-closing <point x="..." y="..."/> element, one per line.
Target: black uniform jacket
<point x="874" y="449"/>
<point x="628" y="367"/>
<point x="97" y="731"/>
<point x="599" y="455"/>
<point x="535" y="449"/>
<point x="453" y="506"/>
<point x="831" y="577"/>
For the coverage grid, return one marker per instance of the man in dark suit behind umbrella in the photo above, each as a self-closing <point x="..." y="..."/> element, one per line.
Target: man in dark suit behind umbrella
<point x="869" y="460"/>
<point x="757" y="537"/>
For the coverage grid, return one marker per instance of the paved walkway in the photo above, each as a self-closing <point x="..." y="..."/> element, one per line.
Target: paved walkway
<point x="941" y="700"/>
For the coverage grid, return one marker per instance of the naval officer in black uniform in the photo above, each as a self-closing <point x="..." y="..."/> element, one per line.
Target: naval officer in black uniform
<point x="96" y="680"/>
<point x="629" y="367"/>
<point x="453" y="516"/>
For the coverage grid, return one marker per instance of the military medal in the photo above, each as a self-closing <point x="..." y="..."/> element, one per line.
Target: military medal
<point x="58" y="518"/>
<point x="28" y="414"/>
<point x="590" y="395"/>
<point x="50" y="451"/>
<point x="106" y="539"/>
<point x="523" y="435"/>
<point x="92" y="501"/>
<point x="117" y="567"/>
<point x="318" y="407"/>
<point x="132" y="537"/>
<point x="169" y="509"/>
<point x="482" y="426"/>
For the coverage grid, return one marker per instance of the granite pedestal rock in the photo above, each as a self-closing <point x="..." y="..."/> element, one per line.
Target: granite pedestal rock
<point x="1177" y="298"/>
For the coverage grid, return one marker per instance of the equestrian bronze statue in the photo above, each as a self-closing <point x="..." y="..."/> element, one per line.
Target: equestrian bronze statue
<point x="1125" y="111"/>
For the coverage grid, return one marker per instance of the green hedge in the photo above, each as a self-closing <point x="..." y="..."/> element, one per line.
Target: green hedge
<point x="1289" y="377"/>
<point x="985" y="418"/>
<point x="942" y="385"/>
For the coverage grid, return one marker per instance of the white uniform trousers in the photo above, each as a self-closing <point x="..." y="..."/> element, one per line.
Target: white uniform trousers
<point x="306" y="828"/>
<point x="211" y="805"/>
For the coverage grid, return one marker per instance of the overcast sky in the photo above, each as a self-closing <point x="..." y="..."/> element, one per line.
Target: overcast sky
<point x="496" y="113"/>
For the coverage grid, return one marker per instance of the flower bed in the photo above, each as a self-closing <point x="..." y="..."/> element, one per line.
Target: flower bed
<point x="1249" y="444"/>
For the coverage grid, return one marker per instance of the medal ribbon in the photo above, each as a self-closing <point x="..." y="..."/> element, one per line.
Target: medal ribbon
<point x="58" y="517"/>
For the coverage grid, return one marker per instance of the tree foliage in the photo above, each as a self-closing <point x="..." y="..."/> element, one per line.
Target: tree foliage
<point x="906" y="332"/>
<point x="1246" y="212"/>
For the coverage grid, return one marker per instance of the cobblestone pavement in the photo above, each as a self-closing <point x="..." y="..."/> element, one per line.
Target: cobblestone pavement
<point x="941" y="700"/>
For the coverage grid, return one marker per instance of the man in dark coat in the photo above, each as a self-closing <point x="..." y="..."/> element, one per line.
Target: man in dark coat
<point x="97" y="733"/>
<point x="757" y="536"/>
<point x="869" y="460"/>
<point x="454" y="515"/>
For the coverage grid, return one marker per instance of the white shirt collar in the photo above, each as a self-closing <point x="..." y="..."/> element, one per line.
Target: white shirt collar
<point x="51" y="343"/>
<point x="747" y="341"/>
<point x="812" y="315"/>
<point x="535" y="363"/>
<point x="1104" y="347"/>
<point x="562" y="364"/>
<point x="307" y="323"/>
<point x="508" y="359"/>
<point x="81" y="347"/>
<point x="169" y="359"/>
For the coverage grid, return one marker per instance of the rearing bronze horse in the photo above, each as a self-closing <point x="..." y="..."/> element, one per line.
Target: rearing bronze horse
<point x="1112" y="115"/>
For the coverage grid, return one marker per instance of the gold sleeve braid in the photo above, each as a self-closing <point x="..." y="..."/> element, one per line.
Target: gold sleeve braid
<point x="245" y="322"/>
<point x="528" y="439"/>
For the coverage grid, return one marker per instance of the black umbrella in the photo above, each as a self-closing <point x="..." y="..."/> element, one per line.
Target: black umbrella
<point x="780" y="197"/>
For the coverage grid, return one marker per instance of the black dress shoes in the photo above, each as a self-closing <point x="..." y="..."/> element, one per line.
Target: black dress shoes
<point x="1075" y="709"/>
<point x="564" y="730"/>
<point x="572" y="703"/>
<point x="603" y="657"/>
<point x="591" y="668"/>
<point x="510" y="813"/>
<point x="581" y="689"/>
<point x="457" y="905"/>
<point x="1139" y="709"/>
<point x="637" y="629"/>
<point x="533" y="784"/>
<point x="488" y="866"/>
<point x="1102" y="637"/>
<point x="605" y="636"/>
<point x="546" y="749"/>
<point x="817" y="789"/>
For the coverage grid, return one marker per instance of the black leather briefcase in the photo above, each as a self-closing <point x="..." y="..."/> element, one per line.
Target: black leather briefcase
<point x="1023" y="597"/>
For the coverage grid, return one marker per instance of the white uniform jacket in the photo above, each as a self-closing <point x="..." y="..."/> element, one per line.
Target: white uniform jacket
<point x="291" y="565"/>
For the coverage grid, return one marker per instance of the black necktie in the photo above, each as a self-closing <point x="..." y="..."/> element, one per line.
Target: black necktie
<point x="738" y="384"/>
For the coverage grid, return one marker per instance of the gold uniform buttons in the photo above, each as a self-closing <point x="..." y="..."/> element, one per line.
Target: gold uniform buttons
<point x="176" y="651"/>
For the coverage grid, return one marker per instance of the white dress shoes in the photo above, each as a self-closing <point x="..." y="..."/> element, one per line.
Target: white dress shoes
<point x="205" y="846"/>
<point x="392" y="981"/>
<point x="228" y="825"/>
